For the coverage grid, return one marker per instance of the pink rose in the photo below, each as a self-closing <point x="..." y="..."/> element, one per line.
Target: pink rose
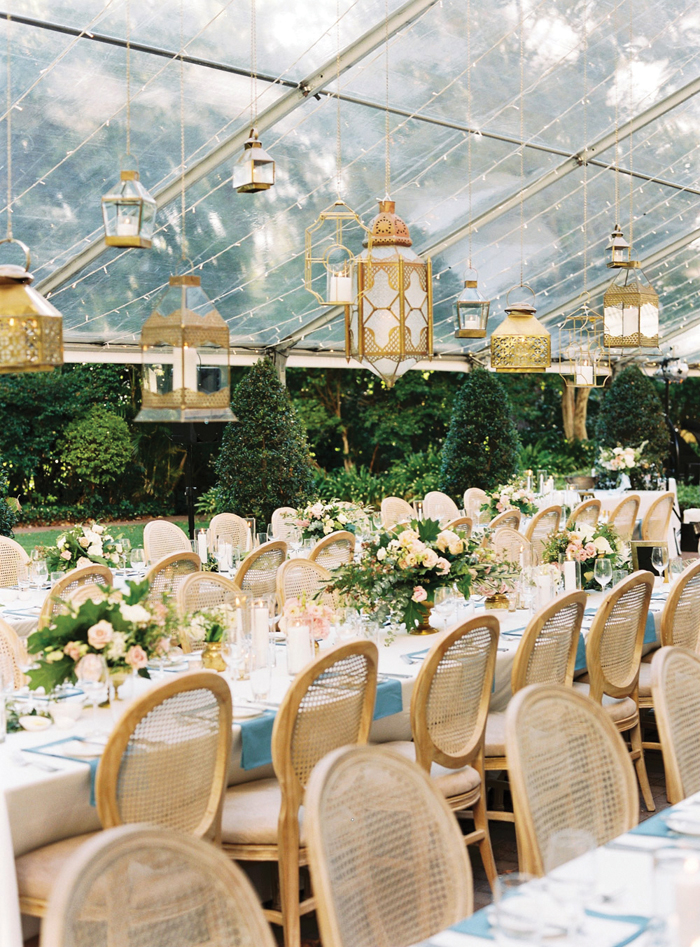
<point x="136" y="657"/>
<point x="100" y="634"/>
<point x="65" y="554"/>
<point x="419" y="594"/>
<point x="581" y="555"/>
<point x="443" y="566"/>
<point x="591" y="550"/>
<point x="72" y="649"/>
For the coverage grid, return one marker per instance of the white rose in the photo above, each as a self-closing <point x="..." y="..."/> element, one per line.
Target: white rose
<point x="61" y="542"/>
<point x="114" y="557"/>
<point x="81" y="563"/>
<point x="119" y="547"/>
<point x="328" y="528"/>
<point x="381" y="553"/>
<point x="95" y="550"/>
<point x="117" y="646"/>
<point x="585" y="531"/>
<point x="456" y="549"/>
<point x="98" y="529"/>
<point x="134" y="613"/>
<point x="430" y="558"/>
<point x="602" y="545"/>
<point x="408" y="537"/>
<point x="342" y="518"/>
<point x="410" y="561"/>
<point x="84" y="542"/>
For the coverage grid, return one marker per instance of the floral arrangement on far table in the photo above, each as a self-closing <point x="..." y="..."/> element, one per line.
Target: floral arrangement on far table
<point x="508" y="497"/>
<point x="585" y="544"/>
<point x="210" y="625"/>
<point x="120" y="625"/>
<point x="319" y="519"/>
<point x="620" y="459"/>
<point x="309" y="612"/>
<point x="492" y="575"/>
<point x="81" y="546"/>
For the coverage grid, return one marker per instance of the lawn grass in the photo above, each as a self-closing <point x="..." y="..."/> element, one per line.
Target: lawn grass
<point x="132" y="531"/>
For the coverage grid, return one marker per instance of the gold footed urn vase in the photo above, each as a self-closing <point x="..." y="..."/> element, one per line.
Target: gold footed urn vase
<point x="499" y="600"/>
<point x="425" y="628"/>
<point x="212" y="658"/>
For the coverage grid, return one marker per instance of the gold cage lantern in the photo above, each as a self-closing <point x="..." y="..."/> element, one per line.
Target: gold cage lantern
<point x="255" y="169"/>
<point x="630" y="304"/>
<point x="584" y="362"/>
<point x="472" y="311"/>
<point x="31" y="329"/>
<point x="129" y="213"/>
<point x="391" y="328"/>
<point x="520" y="343"/>
<point x="185" y="348"/>
<point x="329" y="264"/>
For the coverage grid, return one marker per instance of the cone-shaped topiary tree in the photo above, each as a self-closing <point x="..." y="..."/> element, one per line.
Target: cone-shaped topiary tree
<point x="8" y="510"/>
<point x="631" y="413"/>
<point x="264" y="460"/>
<point x="482" y="444"/>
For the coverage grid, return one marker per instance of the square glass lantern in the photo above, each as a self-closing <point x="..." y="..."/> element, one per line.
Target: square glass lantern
<point x="631" y="311"/>
<point x="129" y="213"/>
<point x="472" y="312"/>
<point x="255" y="169"/>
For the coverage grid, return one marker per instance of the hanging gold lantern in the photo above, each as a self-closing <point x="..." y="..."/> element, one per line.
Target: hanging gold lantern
<point x="328" y="262"/>
<point x="521" y="343"/>
<point x="185" y="347"/>
<point x="31" y="329"/>
<point x="472" y="312"/>
<point x="631" y="310"/>
<point x="391" y="328"/>
<point x="619" y="247"/>
<point x="583" y="360"/>
<point x="255" y="170"/>
<point x="129" y="213"/>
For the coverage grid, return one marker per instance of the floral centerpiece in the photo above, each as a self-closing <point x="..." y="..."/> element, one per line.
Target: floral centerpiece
<point x="120" y="625"/>
<point x="319" y="519"/>
<point x="310" y="612"/>
<point x="209" y="628"/>
<point x="81" y="546"/>
<point x="585" y="544"/>
<point x="510" y="496"/>
<point x="620" y="460"/>
<point x="492" y="575"/>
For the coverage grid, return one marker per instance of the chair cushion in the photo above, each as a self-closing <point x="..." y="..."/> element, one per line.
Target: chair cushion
<point x="645" y="680"/>
<point x="37" y="871"/>
<point x="251" y="812"/>
<point x="495" y="743"/>
<point x="618" y="708"/>
<point x="450" y="782"/>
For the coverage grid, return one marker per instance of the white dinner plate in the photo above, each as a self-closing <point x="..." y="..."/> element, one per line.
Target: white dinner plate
<point x="684" y="824"/>
<point x="244" y="713"/>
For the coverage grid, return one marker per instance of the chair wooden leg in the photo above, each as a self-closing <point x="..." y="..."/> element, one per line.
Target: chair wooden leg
<point x="481" y="822"/>
<point x="288" y="835"/>
<point x="640" y="766"/>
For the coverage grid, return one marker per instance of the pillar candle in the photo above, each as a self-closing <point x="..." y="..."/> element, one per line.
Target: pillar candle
<point x="202" y="545"/>
<point x="341" y="289"/>
<point x="260" y="633"/>
<point x="569" y="575"/>
<point x="299" y="650"/>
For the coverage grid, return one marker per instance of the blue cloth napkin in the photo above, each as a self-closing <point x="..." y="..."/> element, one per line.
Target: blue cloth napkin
<point x="418" y="654"/>
<point x="650" y="635"/>
<point x="93" y="763"/>
<point x="478" y="924"/>
<point x="653" y="826"/>
<point x="256" y="734"/>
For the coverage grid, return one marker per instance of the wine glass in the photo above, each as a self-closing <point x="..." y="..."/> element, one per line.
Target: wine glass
<point x="443" y="602"/>
<point x="22" y="580"/>
<point x="137" y="558"/>
<point x="92" y="674"/>
<point x="295" y="541"/>
<point x="126" y="549"/>
<point x="41" y="573"/>
<point x="659" y="558"/>
<point x="603" y="572"/>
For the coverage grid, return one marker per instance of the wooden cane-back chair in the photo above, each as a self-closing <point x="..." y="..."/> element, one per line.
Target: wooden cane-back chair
<point x="559" y="744"/>
<point x="449" y="706"/>
<point x="388" y="862"/>
<point x="462" y="524"/>
<point x="511" y="545"/>
<point x="613" y="656"/>
<point x="202" y="590"/>
<point x="395" y="510"/>
<point x="11" y="656"/>
<point x="657" y="518"/>
<point x="675" y="684"/>
<point x="438" y="506"/>
<point x="585" y="514"/>
<point x="11" y="556"/>
<point x="63" y="590"/>
<point x="165" y="763"/>
<point x="229" y="527"/>
<point x="546" y="655"/>
<point x="541" y="527"/>
<point x="509" y="518"/>
<point x="92" y="592"/>
<point x="624" y="517"/>
<point x="329" y="704"/>
<point x="140" y="884"/>
<point x="299" y="578"/>
<point x="161" y="538"/>
<point x="474" y="499"/>
<point x="334" y="550"/>
<point x="282" y="525"/>
<point x="168" y="574"/>
<point x="258" y="571"/>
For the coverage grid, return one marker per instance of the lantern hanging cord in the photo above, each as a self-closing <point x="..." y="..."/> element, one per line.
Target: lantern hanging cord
<point x="9" y="134"/>
<point x="631" y="134"/>
<point x="183" y="205"/>
<point x="128" y="77"/>
<point x="338" y="143"/>
<point x="522" y="141"/>
<point x="585" y="138"/>
<point x="617" y="118"/>
<point x="469" y="122"/>
<point x="253" y="65"/>
<point x="387" y="157"/>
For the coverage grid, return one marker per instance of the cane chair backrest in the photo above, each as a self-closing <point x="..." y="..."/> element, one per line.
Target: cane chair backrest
<point x="464" y="524"/>
<point x="675" y="688"/>
<point x="657" y="518"/>
<point x="438" y="506"/>
<point x="334" y="550"/>
<point x="11" y="654"/>
<point x="258" y="571"/>
<point x="558" y="743"/>
<point x="585" y="514"/>
<point x="11" y="556"/>
<point x="231" y="528"/>
<point x="509" y="518"/>
<point x="63" y="590"/>
<point x="474" y="499"/>
<point x="282" y="524"/>
<point x="395" y="510"/>
<point x="166" y="762"/>
<point x="202" y="590"/>
<point x="161" y="538"/>
<point x="388" y="861"/>
<point x="145" y="886"/>
<point x="547" y="650"/>
<point x="624" y="517"/>
<point x="168" y="574"/>
<point x="298" y="578"/>
<point x="510" y="544"/>
<point x="680" y="619"/>
<point x="450" y="699"/>
<point x="92" y="592"/>
<point x="541" y="527"/>
<point x="615" y="641"/>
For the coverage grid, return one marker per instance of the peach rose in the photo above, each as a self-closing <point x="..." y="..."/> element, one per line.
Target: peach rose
<point x="136" y="657"/>
<point x="72" y="649"/>
<point x="419" y="594"/>
<point x="100" y="634"/>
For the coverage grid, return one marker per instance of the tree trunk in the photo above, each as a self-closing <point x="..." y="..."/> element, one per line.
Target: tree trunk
<point x="581" y="413"/>
<point x="568" y="404"/>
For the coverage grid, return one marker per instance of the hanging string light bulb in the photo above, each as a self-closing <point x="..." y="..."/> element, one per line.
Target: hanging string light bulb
<point x="129" y="211"/>
<point x="185" y="343"/>
<point x="471" y="309"/>
<point x="254" y="170"/>
<point x="521" y="343"/>
<point x="31" y="329"/>
<point x="391" y="328"/>
<point x="630" y="304"/>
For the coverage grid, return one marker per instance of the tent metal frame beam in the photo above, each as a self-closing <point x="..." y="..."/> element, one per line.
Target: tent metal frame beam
<point x="352" y="54"/>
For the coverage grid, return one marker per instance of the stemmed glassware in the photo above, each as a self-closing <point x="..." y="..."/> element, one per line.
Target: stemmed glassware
<point x="137" y="558"/>
<point x="295" y="541"/>
<point x="93" y="677"/>
<point x="603" y="572"/>
<point x="443" y="602"/>
<point x="659" y="558"/>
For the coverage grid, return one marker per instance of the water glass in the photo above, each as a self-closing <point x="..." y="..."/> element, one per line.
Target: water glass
<point x="137" y="558"/>
<point x="92" y="675"/>
<point x="676" y="566"/>
<point x="22" y="579"/>
<point x="261" y="660"/>
<point x="517" y="912"/>
<point x="294" y="541"/>
<point x="603" y="572"/>
<point x="41" y="573"/>
<point x="659" y="558"/>
<point x="56" y="577"/>
<point x="443" y="601"/>
<point x="570" y="863"/>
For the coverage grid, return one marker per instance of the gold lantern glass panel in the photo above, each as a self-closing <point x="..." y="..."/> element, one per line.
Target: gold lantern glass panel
<point x="129" y="213"/>
<point x="584" y="362"/>
<point x="391" y="328"/>
<point x="520" y="343"/>
<point x="255" y="169"/>
<point x="472" y="312"/>
<point x="631" y="310"/>
<point x="185" y="347"/>
<point x="329" y="264"/>
<point x="31" y="329"/>
<point x="620" y="249"/>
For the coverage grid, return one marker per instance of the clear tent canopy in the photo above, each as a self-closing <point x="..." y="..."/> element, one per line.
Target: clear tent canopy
<point x="68" y="89"/>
